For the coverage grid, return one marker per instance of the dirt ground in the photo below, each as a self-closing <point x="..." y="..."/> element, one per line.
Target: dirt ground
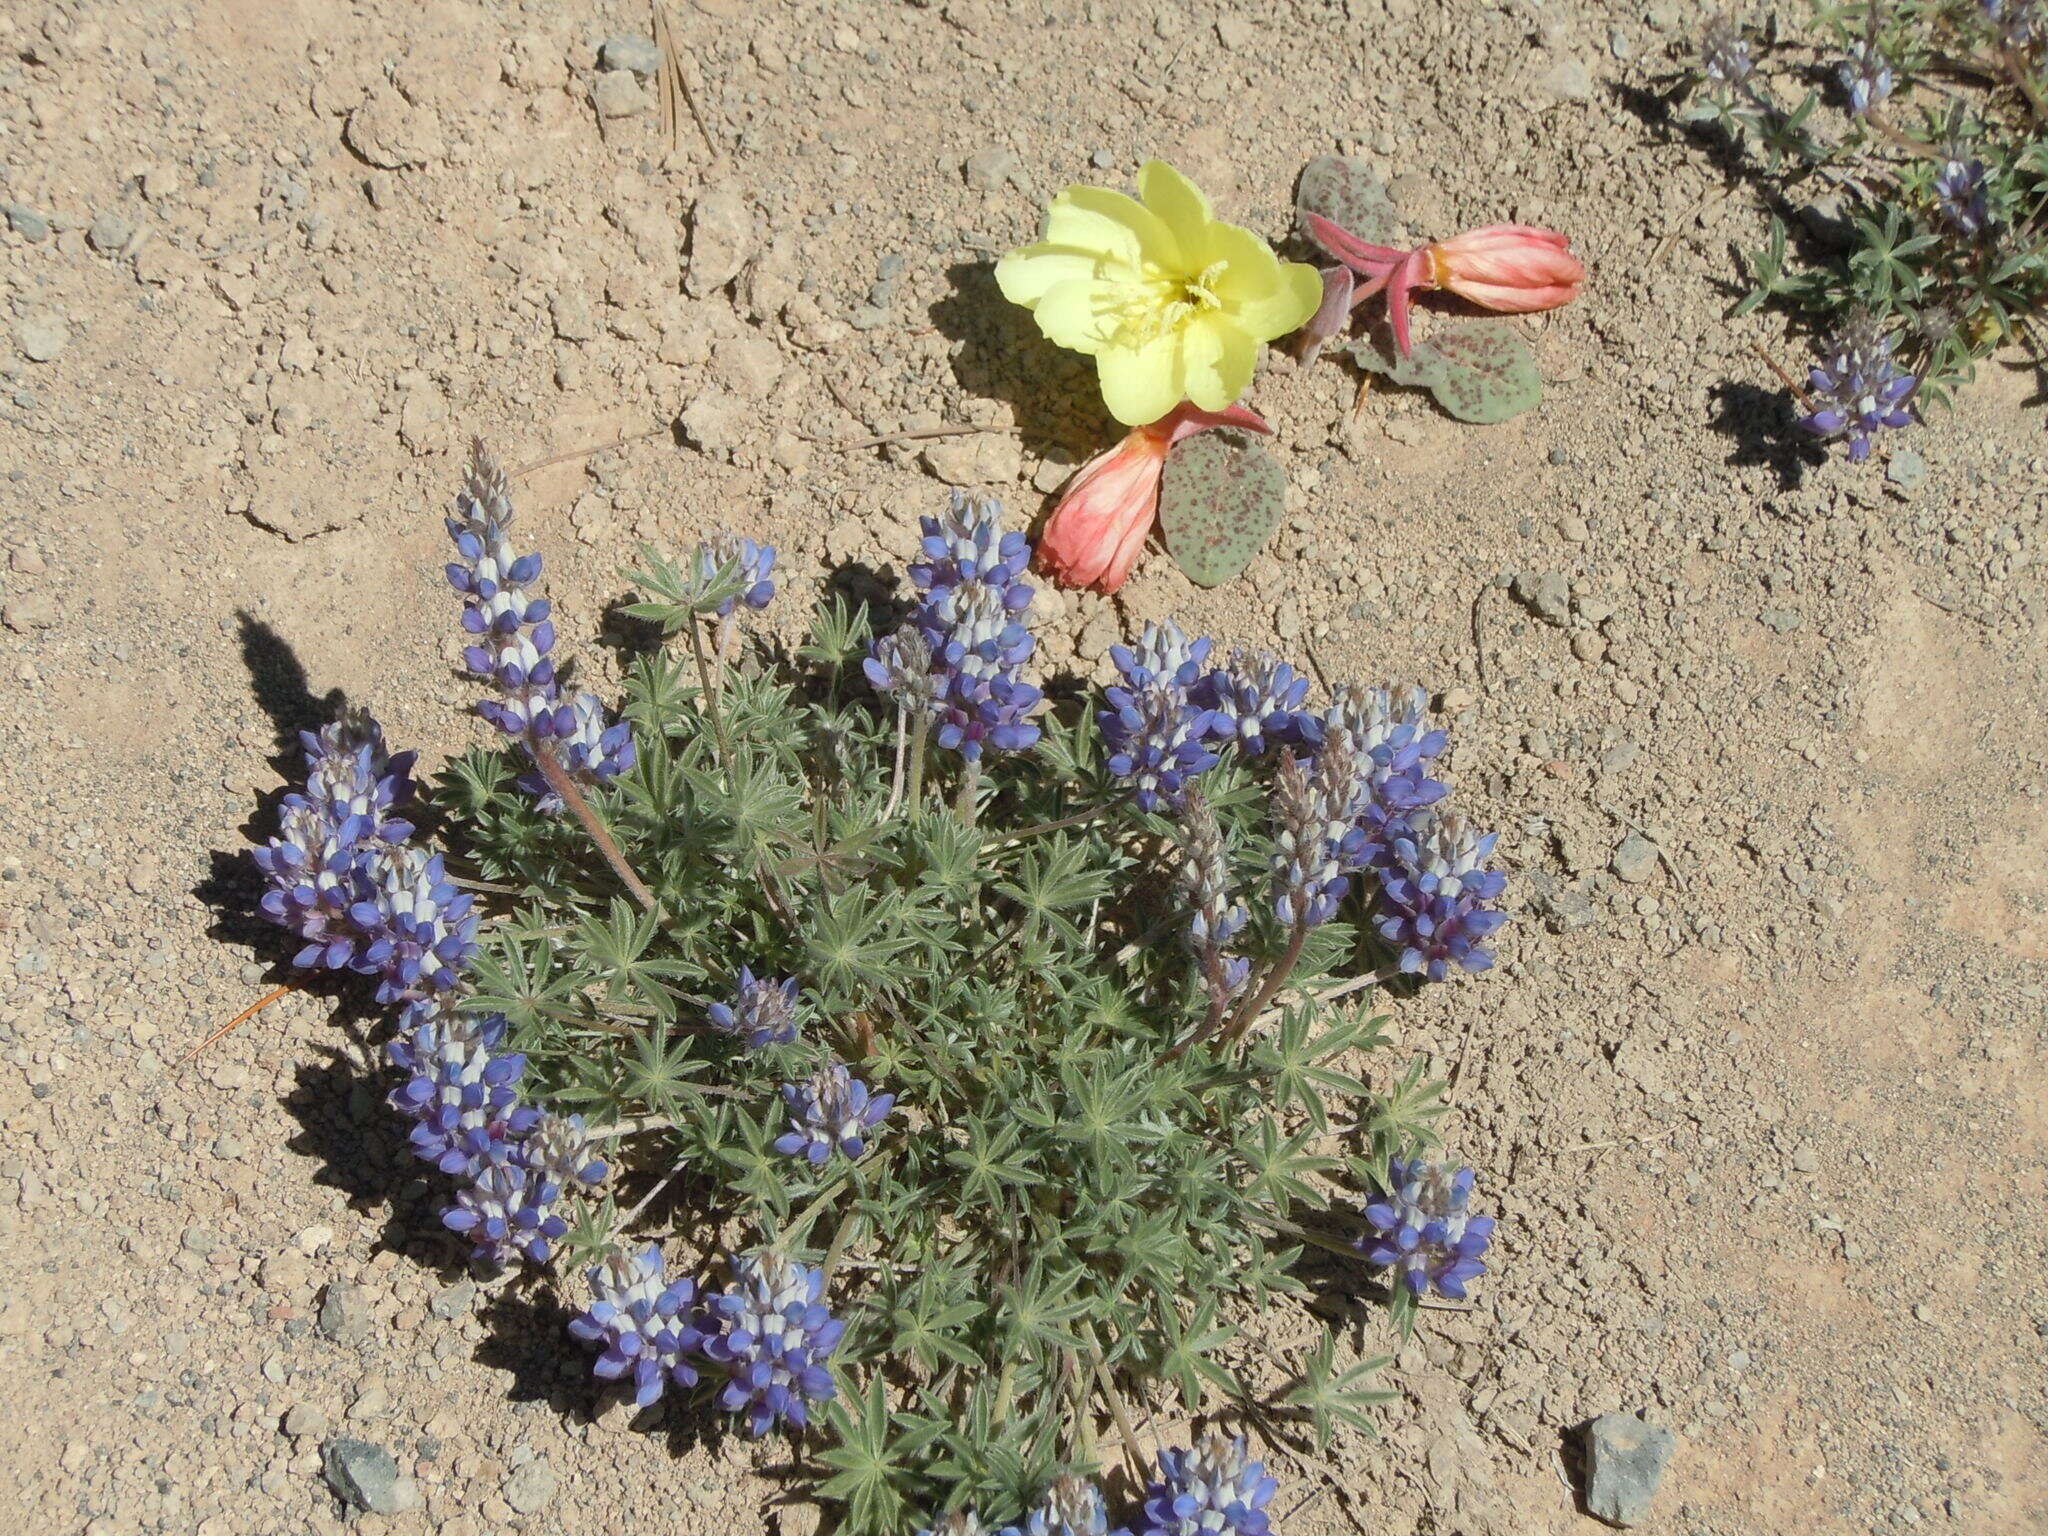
<point x="1758" y="1092"/>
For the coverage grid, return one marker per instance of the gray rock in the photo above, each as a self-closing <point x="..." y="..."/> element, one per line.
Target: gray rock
<point x="455" y="1301"/>
<point x="569" y="309"/>
<point x="1635" y="860"/>
<point x="1569" y="80"/>
<point x="26" y="222"/>
<point x="1563" y="908"/>
<point x="617" y="94"/>
<point x="1625" y="1460"/>
<point x="721" y="240"/>
<point x="532" y="1488"/>
<point x="366" y="1477"/>
<point x="629" y="50"/>
<point x="987" y="170"/>
<point x="1783" y="620"/>
<point x="1906" y="470"/>
<point x="42" y="336"/>
<point x="345" y="1315"/>
<point x="1547" y="594"/>
<point x="109" y="234"/>
<point x="305" y="1422"/>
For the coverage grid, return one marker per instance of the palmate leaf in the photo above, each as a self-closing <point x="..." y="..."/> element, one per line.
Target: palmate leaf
<point x="520" y="980"/>
<point x="871" y="1461"/>
<point x="1333" y="1397"/>
<point x="1186" y="1354"/>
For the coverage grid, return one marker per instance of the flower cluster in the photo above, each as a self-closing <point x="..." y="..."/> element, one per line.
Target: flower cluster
<point x="645" y="1323"/>
<point x="1424" y="1230"/>
<point x="345" y="876"/>
<point x="1158" y="736"/>
<point x="833" y="1112"/>
<point x="1436" y="891"/>
<point x="1316" y="839"/>
<point x="1866" y="77"/>
<point x="1213" y="1488"/>
<point x="728" y="557"/>
<point x="1386" y="732"/>
<point x="763" y="1013"/>
<point x="969" y="638"/>
<point x="1860" y="390"/>
<point x="1215" y="916"/>
<point x="512" y="636"/>
<point x="772" y="1334"/>
<point x="1257" y="704"/>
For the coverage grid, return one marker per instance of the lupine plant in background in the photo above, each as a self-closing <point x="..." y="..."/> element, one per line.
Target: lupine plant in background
<point x="1904" y="146"/>
<point x="981" y="1050"/>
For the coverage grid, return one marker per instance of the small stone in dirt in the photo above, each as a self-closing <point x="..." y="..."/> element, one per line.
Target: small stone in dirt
<point x="344" y="1314"/>
<point x="38" y="611"/>
<point x="109" y="233"/>
<point x="1635" y="861"/>
<point x="627" y="50"/>
<point x="1906" y="470"/>
<point x="43" y="336"/>
<point x="26" y="222"/>
<point x="532" y="1488"/>
<point x="366" y="1476"/>
<point x="1625" y="1460"/>
<point x="721" y="240"/>
<point x="305" y="1422"/>
<point x="988" y="169"/>
<point x="1547" y="594"/>
<point x="1569" y="80"/>
<point x="454" y="1301"/>
<point x="1783" y="620"/>
<point x="617" y="94"/>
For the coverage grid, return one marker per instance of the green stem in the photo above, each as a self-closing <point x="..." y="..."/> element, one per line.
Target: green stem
<point x="919" y="736"/>
<point x="710" y="694"/>
<point x="966" y="805"/>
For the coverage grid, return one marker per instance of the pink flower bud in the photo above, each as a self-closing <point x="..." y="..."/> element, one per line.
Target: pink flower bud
<point x="1095" y="533"/>
<point x="1513" y="268"/>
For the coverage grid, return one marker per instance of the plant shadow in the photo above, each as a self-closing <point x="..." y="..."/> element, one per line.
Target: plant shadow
<point x="1000" y="354"/>
<point x="1764" y="426"/>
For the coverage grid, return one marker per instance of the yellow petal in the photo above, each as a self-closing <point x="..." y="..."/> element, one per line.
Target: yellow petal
<point x="1177" y="201"/>
<point x="1141" y="384"/>
<point x="1265" y="295"/>
<point x="1090" y="209"/>
<point x="1027" y="273"/>
<point x="1218" y="358"/>
<point x="1074" y="314"/>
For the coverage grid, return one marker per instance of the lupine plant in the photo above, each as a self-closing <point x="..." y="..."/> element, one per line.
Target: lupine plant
<point x="1925" y="124"/>
<point x="981" y="1049"/>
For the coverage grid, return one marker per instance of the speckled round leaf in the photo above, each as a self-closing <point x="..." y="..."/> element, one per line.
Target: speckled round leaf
<point x="1373" y="347"/>
<point x="1488" y="374"/>
<point x="1219" y="503"/>
<point x="1349" y="195"/>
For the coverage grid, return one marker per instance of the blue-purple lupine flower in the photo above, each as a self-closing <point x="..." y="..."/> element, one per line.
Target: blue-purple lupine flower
<point x="1725" y="54"/>
<point x="327" y="832"/>
<point x="833" y="1112"/>
<point x="1866" y="77"/>
<point x="418" y="930"/>
<point x="645" y="1323"/>
<point x="1389" y="744"/>
<point x="1436" y="894"/>
<point x="2017" y="21"/>
<point x="560" y="1149"/>
<point x="1960" y="194"/>
<point x="972" y="578"/>
<point x="1072" y="1506"/>
<point x="1215" y="916"/>
<point x="1315" y="838"/>
<point x="1860" y="390"/>
<point x="1157" y="735"/>
<point x="1257" y="703"/>
<point x="762" y="1013"/>
<point x="511" y="636"/>
<point x="751" y="563"/>
<point x="772" y="1334"/>
<point x="508" y="1212"/>
<point x="901" y="664"/>
<point x="461" y="1091"/>
<point x="1423" y="1228"/>
<point x="1213" y="1489"/>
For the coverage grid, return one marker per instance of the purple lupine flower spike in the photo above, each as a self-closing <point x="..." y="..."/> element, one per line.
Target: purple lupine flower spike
<point x="460" y="1091"/>
<point x="751" y="564"/>
<point x="968" y="637"/>
<point x="1316" y="841"/>
<point x="833" y="1112"/>
<point x="1215" y="916"/>
<point x="1257" y="703"/>
<point x="1072" y="1506"/>
<point x="763" y="1012"/>
<point x="1860" y="390"/>
<point x="645" y="1322"/>
<point x="772" y="1334"/>
<point x="1866" y="77"/>
<point x="512" y="635"/>
<point x="1157" y="734"/>
<point x="1216" y="1488"/>
<point x="507" y="1211"/>
<point x="1437" y="893"/>
<point x="1424" y="1229"/>
<point x="419" y="931"/>
<point x="1385" y="731"/>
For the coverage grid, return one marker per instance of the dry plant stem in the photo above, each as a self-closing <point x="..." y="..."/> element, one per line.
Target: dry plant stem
<point x="1899" y="139"/>
<point x="649" y="1198"/>
<point x="917" y="435"/>
<point x="1798" y="390"/>
<point x="583" y="453"/>
<point x="2015" y="70"/>
<point x="1275" y="980"/>
<point x="675" y="88"/>
<point x="967" y="804"/>
<point x="564" y="786"/>
<point x="896" y="773"/>
<point x="1079" y="818"/>
<point x="236" y="1022"/>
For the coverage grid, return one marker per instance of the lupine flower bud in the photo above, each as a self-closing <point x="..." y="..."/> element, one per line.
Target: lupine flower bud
<point x="1213" y="1489"/>
<point x="1098" y="529"/>
<point x="1072" y="1506"/>
<point x="1861" y="390"/>
<point x="507" y="1212"/>
<point x="560" y="1150"/>
<point x="1725" y="56"/>
<point x="1257" y="702"/>
<point x="1866" y="77"/>
<point x="750" y="562"/>
<point x="772" y="1334"/>
<point x="763" y="1014"/>
<point x="1157" y="736"/>
<point x="833" y="1112"/>
<point x="901" y="663"/>
<point x="1435" y="892"/>
<point x="1424" y="1230"/>
<point x="1315" y="838"/>
<point x="644" y="1322"/>
<point x="1960" y="195"/>
<point x="1216" y="917"/>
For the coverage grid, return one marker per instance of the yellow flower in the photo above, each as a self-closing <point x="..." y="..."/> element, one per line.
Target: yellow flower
<point x="1171" y="302"/>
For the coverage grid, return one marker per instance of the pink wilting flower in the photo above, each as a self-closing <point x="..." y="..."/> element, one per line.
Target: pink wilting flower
<point x="1093" y="537"/>
<point x="1513" y="268"/>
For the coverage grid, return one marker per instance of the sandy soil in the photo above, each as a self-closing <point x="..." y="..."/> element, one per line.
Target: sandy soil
<point x="1761" y="1107"/>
